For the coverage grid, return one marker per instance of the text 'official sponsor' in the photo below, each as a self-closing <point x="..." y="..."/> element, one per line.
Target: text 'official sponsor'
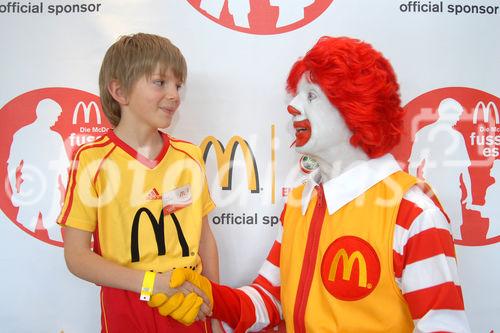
<point x="437" y="7"/>
<point x="18" y="7"/>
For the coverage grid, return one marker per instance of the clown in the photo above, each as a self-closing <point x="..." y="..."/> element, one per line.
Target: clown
<point x="363" y="246"/>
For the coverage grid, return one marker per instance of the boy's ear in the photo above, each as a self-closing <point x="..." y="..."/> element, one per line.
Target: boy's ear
<point x="118" y="93"/>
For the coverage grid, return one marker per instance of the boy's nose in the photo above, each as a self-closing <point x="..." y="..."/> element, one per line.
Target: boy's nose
<point x="173" y="93"/>
<point x="293" y="111"/>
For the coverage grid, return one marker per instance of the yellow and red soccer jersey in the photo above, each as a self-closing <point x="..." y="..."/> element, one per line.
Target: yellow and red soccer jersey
<point x="144" y="214"/>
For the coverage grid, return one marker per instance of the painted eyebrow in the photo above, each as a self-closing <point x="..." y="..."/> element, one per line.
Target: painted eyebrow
<point x="312" y="89"/>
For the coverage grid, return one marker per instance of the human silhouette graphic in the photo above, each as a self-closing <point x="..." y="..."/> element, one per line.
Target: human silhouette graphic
<point x="491" y="208"/>
<point x="440" y="151"/>
<point x="37" y="153"/>
<point x="239" y="9"/>
<point x="290" y="11"/>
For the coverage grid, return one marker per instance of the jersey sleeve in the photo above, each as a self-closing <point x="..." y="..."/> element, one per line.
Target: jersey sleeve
<point x="207" y="202"/>
<point x="80" y="204"/>
<point x="425" y="265"/>
<point x="254" y="307"/>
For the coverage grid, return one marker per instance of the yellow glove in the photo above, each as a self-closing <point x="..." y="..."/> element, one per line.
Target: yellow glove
<point x="183" y="309"/>
<point x="166" y="305"/>
<point x="181" y="275"/>
<point x="186" y="313"/>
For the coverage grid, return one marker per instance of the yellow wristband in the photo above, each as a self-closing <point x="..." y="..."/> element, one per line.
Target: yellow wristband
<point x="147" y="285"/>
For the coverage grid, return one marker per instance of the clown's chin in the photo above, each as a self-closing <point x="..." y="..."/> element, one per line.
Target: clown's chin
<point x="303" y="148"/>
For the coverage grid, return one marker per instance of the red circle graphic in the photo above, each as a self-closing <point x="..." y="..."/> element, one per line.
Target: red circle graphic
<point x="350" y="268"/>
<point x="261" y="17"/>
<point x="452" y="135"/>
<point x="40" y="131"/>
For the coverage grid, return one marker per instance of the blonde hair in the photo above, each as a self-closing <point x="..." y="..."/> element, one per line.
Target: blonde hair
<point x="132" y="57"/>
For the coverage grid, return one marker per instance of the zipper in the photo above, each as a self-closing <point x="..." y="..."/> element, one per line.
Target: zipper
<point x="308" y="265"/>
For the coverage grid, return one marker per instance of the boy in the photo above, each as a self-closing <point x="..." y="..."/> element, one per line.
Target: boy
<point x="140" y="193"/>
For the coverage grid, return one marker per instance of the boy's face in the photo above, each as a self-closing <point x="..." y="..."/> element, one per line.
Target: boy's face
<point x="153" y="100"/>
<point x="318" y="125"/>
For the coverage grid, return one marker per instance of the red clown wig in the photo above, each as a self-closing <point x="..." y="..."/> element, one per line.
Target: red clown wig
<point x="361" y="84"/>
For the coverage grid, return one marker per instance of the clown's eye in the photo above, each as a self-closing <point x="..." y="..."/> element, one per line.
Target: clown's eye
<point x="311" y="96"/>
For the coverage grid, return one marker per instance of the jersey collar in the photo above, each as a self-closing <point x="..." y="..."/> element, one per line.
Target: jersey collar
<point x="150" y="163"/>
<point x="350" y="184"/>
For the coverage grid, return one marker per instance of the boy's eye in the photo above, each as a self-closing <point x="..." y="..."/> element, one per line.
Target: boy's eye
<point x="159" y="83"/>
<point x="179" y="86"/>
<point x="311" y="96"/>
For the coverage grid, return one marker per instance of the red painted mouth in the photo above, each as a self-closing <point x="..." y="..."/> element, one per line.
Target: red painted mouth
<point x="302" y="132"/>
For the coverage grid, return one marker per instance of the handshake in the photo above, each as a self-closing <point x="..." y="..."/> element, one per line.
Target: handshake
<point x="191" y="300"/>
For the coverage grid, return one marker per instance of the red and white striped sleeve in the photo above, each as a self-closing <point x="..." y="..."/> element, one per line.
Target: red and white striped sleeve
<point x="425" y="265"/>
<point x="254" y="307"/>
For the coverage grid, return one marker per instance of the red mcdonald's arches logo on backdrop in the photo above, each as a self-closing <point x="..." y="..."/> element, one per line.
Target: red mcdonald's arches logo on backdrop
<point x="350" y="269"/>
<point x="86" y="109"/>
<point x="487" y="110"/>
<point x="262" y="17"/>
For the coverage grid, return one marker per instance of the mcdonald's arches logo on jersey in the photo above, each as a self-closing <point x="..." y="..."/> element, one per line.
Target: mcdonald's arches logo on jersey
<point x="225" y="160"/>
<point x="159" y="231"/>
<point x="487" y="110"/>
<point x="87" y="109"/>
<point x="350" y="269"/>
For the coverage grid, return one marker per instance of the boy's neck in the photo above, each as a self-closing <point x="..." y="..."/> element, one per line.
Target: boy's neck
<point x="145" y="140"/>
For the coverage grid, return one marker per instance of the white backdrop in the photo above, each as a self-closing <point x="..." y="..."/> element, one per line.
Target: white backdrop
<point x="237" y="67"/>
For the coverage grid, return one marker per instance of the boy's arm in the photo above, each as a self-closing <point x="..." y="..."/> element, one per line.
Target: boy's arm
<point x="87" y="265"/>
<point x="210" y="259"/>
<point x="208" y="252"/>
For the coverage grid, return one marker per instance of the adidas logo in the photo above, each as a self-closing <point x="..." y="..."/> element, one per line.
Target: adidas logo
<point x="153" y="195"/>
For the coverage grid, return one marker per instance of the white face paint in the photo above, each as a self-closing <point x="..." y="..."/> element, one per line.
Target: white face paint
<point x="320" y="130"/>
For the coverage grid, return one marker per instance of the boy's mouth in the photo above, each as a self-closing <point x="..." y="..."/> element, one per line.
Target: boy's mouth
<point x="168" y="110"/>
